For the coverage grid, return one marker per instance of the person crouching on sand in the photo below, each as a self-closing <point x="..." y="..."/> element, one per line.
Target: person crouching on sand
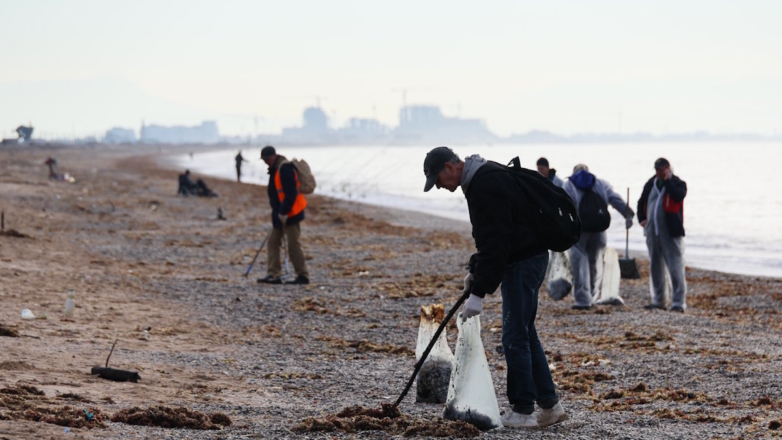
<point x="508" y="255"/>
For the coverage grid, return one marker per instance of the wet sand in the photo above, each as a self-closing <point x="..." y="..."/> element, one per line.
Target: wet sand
<point x="162" y="275"/>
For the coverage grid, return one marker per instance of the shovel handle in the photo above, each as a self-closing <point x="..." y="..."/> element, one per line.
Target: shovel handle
<point x="420" y="362"/>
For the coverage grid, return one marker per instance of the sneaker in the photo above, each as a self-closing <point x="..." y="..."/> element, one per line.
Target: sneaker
<point x="581" y="307"/>
<point x="270" y="280"/>
<point x="512" y="419"/>
<point x="301" y="279"/>
<point x="654" y="306"/>
<point x="677" y="309"/>
<point x="551" y="416"/>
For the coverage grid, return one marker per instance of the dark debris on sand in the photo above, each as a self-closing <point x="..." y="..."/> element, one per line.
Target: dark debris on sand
<point x="167" y="417"/>
<point x="388" y="418"/>
<point x="9" y="332"/>
<point x="13" y="233"/>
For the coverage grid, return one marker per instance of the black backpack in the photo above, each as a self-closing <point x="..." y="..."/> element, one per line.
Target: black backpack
<point x="593" y="211"/>
<point x="555" y="216"/>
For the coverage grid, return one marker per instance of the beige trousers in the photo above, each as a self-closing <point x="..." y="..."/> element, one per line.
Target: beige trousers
<point x="295" y="253"/>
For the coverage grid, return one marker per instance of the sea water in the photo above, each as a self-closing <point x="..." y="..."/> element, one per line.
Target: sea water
<point x="731" y="214"/>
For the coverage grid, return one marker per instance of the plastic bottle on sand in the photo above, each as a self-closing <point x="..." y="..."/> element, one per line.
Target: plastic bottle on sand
<point x="70" y="304"/>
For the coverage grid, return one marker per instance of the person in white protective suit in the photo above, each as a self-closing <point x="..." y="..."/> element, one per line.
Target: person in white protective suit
<point x="592" y="197"/>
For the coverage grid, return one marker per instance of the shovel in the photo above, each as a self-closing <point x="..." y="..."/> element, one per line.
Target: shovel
<point x="627" y="265"/>
<point x="436" y="335"/>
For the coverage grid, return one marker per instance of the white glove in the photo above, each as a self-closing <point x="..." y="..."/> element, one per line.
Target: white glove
<point x="472" y="307"/>
<point x="283" y="219"/>
<point x="468" y="283"/>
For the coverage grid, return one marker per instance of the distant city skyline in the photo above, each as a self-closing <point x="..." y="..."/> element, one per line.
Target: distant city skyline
<point x="79" y="68"/>
<point x="418" y="125"/>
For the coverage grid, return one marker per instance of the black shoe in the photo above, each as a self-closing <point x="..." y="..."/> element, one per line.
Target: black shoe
<point x="677" y="309"/>
<point x="270" y="280"/>
<point x="301" y="279"/>
<point x="654" y="306"/>
<point x="580" y="307"/>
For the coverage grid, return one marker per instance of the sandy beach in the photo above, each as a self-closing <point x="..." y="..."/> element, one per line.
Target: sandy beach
<point x="163" y="276"/>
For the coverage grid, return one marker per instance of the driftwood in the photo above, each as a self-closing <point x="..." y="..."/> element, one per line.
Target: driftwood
<point x="113" y="373"/>
<point x="116" y="375"/>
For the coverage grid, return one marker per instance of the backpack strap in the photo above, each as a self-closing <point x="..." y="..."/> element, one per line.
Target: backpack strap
<point x="515" y="163"/>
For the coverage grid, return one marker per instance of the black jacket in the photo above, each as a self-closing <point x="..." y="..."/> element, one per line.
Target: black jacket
<point x="501" y="226"/>
<point x="288" y="180"/>
<point x="673" y="204"/>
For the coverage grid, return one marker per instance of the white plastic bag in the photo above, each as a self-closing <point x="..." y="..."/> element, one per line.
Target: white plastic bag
<point x="609" y="290"/>
<point x="432" y="381"/>
<point x="471" y="395"/>
<point x="560" y="276"/>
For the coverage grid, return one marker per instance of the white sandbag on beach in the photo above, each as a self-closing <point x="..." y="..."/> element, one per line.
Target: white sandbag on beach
<point x="612" y="274"/>
<point x="471" y="395"/>
<point x="432" y="381"/>
<point x="560" y="276"/>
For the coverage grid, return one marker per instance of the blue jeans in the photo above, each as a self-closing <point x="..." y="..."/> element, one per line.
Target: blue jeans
<point x="529" y="378"/>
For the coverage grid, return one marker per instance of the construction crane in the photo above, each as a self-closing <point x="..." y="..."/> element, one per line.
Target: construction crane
<point x="404" y="90"/>
<point x="255" y="118"/>
<point x="317" y="98"/>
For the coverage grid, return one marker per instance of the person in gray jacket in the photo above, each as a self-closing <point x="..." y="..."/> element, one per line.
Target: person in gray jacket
<point x="661" y="213"/>
<point x="586" y="256"/>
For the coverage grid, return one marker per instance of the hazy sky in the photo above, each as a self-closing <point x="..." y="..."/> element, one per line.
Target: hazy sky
<point x="82" y="66"/>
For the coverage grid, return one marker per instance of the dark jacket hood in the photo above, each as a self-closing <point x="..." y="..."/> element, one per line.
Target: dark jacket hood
<point x="583" y="180"/>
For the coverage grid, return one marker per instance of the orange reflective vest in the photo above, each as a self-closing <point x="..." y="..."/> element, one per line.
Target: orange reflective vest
<point x="300" y="203"/>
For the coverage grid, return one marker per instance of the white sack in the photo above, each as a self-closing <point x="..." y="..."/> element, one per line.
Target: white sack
<point x="471" y="395"/>
<point x="432" y="380"/>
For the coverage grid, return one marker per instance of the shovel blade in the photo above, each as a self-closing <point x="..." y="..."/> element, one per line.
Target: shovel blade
<point x="629" y="269"/>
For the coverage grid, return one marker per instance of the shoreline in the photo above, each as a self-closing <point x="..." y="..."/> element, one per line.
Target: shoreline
<point x="164" y="276"/>
<point x="419" y="218"/>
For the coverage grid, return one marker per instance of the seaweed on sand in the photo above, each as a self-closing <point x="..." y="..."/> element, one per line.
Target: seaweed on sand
<point x="26" y="402"/>
<point x="388" y="418"/>
<point x="8" y="332"/>
<point x="167" y="417"/>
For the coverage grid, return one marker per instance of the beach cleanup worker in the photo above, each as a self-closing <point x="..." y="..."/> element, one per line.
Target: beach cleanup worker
<point x="551" y="173"/>
<point x="507" y="253"/>
<point x="239" y="159"/>
<point x="661" y="213"/>
<point x="288" y="205"/>
<point x="52" y="164"/>
<point x="592" y="197"/>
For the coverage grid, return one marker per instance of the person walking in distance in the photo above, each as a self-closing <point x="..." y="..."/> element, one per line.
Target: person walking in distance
<point x="508" y="253"/>
<point x="592" y="197"/>
<point x="661" y="213"/>
<point x="239" y="159"/>
<point x="288" y="205"/>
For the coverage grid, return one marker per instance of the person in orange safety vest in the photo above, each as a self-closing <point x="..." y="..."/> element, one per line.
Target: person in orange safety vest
<point x="288" y="204"/>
